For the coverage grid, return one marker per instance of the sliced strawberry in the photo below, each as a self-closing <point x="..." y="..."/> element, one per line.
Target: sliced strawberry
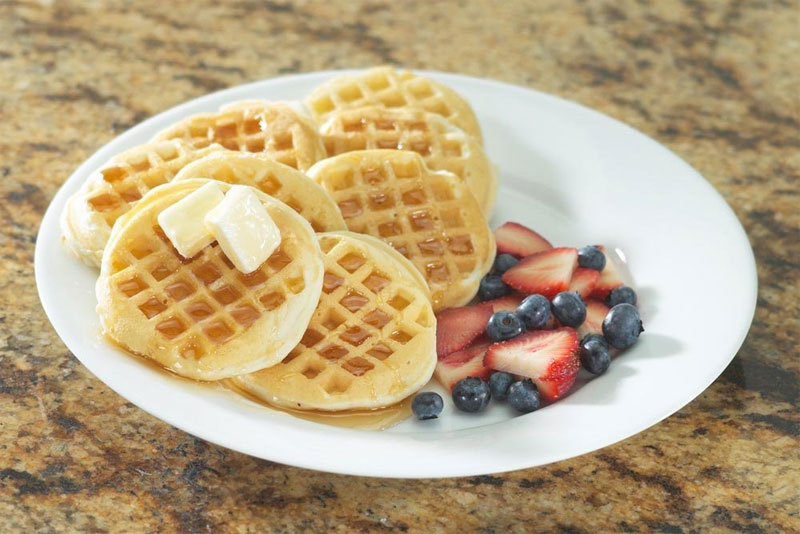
<point x="609" y="278"/>
<point x="583" y="281"/>
<point x="507" y="303"/>
<point x="593" y="324"/>
<point x="548" y="357"/>
<point x="547" y="273"/>
<point x="463" y="363"/>
<point x="458" y="327"/>
<point x="520" y="241"/>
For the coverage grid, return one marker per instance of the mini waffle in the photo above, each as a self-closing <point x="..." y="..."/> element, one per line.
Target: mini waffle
<point x="288" y="185"/>
<point x="370" y="343"/>
<point x="274" y="128"/>
<point x="201" y="318"/>
<point x="386" y="87"/>
<point x="90" y="213"/>
<point x="429" y="217"/>
<point x="442" y="145"/>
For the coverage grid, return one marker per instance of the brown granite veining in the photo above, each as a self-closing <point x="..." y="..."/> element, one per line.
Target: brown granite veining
<point x="718" y="82"/>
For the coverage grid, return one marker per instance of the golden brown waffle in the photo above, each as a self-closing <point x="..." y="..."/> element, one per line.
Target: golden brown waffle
<point x="274" y="128"/>
<point x="387" y="87"/>
<point x="442" y="145"/>
<point x="201" y="318"/>
<point x="288" y="185"/>
<point x="429" y="217"/>
<point x="370" y="343"/>
<point x="90" y="213"/>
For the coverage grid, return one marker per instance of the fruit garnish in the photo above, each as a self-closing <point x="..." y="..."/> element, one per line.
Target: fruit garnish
<point x="463" y="363"/>
<point x="471" y="394"/>
<point x="621" y="295"/>
<point x="523" y="396"/>
<point x="504" y="325"/>
<point x="609" y="278"/>
<point x="534" y="310"/>
<point x="427" y="405"/>
<point x="492" y="287"/>
<point x="591" y="257"/>
<point x="569" y="309"/>
<point x="519" y="241"/>
<point x="622" y="326"/>
<point x="507" y="303"/>
<point x="458" y="327"/>
<point x="583" y="281"/>
<point x="548" y="357"/>
<point x="596" y="311"/>
<point x="547" y="273"/>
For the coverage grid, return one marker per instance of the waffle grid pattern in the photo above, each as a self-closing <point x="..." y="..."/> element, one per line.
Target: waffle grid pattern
<point x="206" y="304"/>
<point x="350" y="335"/>
<point x="418" y="213"/>
<point x="133" y="173"/>
<point x="251" y="129"/>
<point x="364" y="129"/>
<point x="389" y="88"/>
<point x="309" y="203"/>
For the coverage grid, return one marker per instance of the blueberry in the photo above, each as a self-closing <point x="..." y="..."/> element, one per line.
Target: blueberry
<point x="427" y="405"/>
<point x="534" y="311"/>
<point x="504" y="262"/>
<point x="471" y="394"/>
<point x="523" y="396"/>
<point x="569" y="309"/>
<point x="492" y="287"/>
<point x="621" y="295"/>
<point x="591" y="258"/>
<point x="499" y="383"/>
<point x="504" y="325"/>
<point x="622" y="326"/>
<point x="596" y="337"/>
<point x="594" y="354"/>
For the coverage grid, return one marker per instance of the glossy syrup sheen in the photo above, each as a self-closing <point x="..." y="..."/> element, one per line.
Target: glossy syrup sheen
<point x="377" y="419"/>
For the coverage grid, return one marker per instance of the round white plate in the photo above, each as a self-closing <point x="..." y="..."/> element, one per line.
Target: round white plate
<point x="576" y="176"/>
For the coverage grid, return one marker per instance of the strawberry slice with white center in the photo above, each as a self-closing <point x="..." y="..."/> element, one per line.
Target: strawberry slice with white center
<point x="507" y="303"/>
<point x="596" y="311"/>
<point x="583" y="281"/>
<point x="609" y="278"/>
<point x="463" y="363"/>
<point x="518" y="240"/>
<point x="547" y="273"/>
<point x="456" y="328"/>
<point x="548" y="357"/>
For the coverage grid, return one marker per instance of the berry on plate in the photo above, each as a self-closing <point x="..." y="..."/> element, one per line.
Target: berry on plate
<point x="621" y="295"/>
<point x="458" y="327"/>
<point x="547" y="273"/>
<point x="609" y="278"/>
<point x="583" y="281"/>
<point x="596" y="311"/>
<point x="504" y="325"/>
<point x="534" y="310"/>
<point x="523" y="396"/>
<point x="492" y="287"/>
<point x="461" y="364"/>
<point x="427" y="405"/>
<point x="595" y="357"/>
<point x="504" y="262"/>
<point x="519" y="241"/>
<point x="591" y="257"/>
<point x="548" y="357"/>
<point x="507" y="303"/>
<point x="569" y="309"/>
<point x="499" y="383"/>
<point x="622" y="326"/>
<point x="471" y="394"/>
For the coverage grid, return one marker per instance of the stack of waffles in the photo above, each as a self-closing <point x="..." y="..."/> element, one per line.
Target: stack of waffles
<point x="380" y="190"/>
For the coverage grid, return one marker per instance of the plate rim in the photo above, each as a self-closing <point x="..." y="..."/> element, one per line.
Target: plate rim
<point x="95" y="159"/>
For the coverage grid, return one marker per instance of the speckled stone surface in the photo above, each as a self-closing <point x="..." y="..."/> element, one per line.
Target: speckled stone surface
<point x="715" y="81"/>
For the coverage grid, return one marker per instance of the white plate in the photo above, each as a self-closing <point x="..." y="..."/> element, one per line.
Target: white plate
<point x="573" y="174"/>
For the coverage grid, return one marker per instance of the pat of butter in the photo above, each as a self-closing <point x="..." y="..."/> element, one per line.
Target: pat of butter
<point x="183" y="222"/>
<point x="244" y="230"/>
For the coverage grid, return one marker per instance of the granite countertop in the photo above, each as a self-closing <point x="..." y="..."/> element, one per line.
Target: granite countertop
<point x="715" y="81"/>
